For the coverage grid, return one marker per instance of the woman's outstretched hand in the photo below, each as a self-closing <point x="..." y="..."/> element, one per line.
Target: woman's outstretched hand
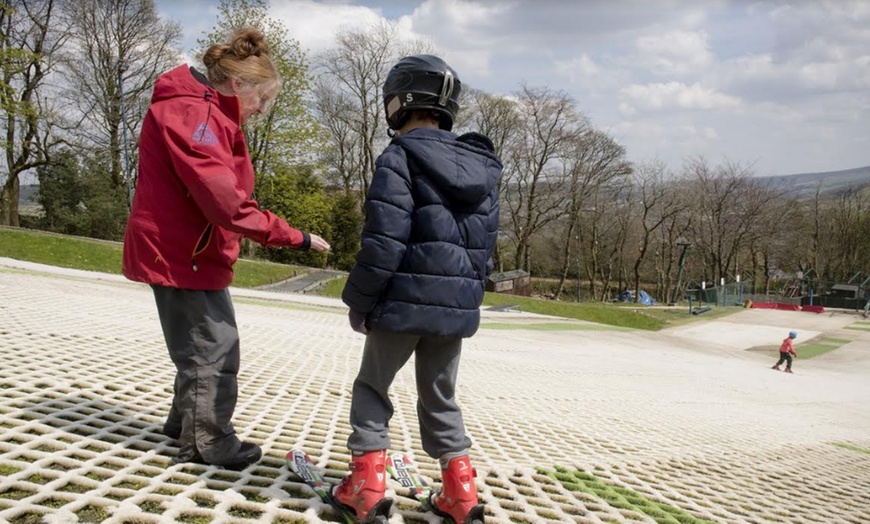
<point x="317" y="243"/>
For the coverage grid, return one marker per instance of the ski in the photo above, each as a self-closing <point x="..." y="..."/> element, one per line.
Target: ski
<point x="405" y="472"/>
<point x="302" y="465"/>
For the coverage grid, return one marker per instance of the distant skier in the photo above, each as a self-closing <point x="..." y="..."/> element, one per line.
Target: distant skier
<point x="786" y="352"/>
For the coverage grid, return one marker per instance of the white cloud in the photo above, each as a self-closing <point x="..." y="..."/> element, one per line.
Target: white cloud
<point x="675" y="53"/>
<point x="464" y="33"/>
<point x="784" y="82"/>
<point x="584" y="71"/>
<point x="626" y="109"/>
<point x="456" y="29"/>
<point x="467" y="21"/>
<point x="676" y="96"/>
<point x="315" y="24"/>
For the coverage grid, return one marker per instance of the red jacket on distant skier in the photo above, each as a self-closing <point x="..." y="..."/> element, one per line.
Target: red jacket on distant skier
<point x="193" y="198"/>
<point x="786" y="347"/>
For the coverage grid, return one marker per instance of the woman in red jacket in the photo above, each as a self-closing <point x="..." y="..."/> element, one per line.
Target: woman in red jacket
<point x="191" y="208"/>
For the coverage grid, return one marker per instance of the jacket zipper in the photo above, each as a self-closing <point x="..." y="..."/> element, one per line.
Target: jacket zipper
<point x="201" y="245"/>
<point x="205" y="236"/>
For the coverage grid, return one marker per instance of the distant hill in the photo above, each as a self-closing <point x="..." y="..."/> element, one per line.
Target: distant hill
<point x="805" y="184"/>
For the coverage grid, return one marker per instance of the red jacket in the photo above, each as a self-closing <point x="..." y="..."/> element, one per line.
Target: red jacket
<point x="786" y="347"/>
<point x="193" y="200"/>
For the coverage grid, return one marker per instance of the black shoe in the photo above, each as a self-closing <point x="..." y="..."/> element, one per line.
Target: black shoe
<point x="171" y="431"/>
<point x="247" y="454"/>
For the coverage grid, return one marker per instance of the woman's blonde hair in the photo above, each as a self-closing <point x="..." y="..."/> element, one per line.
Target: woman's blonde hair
<point x="245" y="56"/>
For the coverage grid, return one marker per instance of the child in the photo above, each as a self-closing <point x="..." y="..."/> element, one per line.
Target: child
<point x="786" y="351"/>
<point x="432" y="217"/>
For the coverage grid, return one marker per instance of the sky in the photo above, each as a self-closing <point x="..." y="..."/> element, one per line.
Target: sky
<point x="782" y="87"/>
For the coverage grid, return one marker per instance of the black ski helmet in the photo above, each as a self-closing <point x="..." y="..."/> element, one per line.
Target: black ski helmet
<point x="421" y="82"/>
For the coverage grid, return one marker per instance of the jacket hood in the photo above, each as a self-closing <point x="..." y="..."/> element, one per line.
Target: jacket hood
<point x="465" y="168"/>
<point x="185" y="81"/>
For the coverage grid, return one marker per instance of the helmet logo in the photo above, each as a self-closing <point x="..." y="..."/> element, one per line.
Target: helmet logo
<point x="409" y="97"/>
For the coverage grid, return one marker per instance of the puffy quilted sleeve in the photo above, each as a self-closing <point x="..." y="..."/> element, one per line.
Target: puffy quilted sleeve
<point x="388" y="205"/>
<point x="492" y="230"/>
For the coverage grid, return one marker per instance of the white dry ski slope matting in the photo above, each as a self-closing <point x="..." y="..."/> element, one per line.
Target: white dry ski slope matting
<point x="691" y="418"/>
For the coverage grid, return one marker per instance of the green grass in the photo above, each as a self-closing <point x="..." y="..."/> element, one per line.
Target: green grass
<point x="62" y="251"/>
<point x="255" y="273"/>
<point x="850" y="447"/>
<point x="859" y="326"/>
<point x="550" y="326"/>
<point x="105" y="257"/>
<point x="820" y="347"/>
<point x="621" y="497"/>
<point x="333" y="287"/>
<point x="589" y="311"/>
<point x="612" y="314"/>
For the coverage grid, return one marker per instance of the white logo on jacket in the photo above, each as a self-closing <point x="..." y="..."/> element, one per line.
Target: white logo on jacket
<point x="204" y="135"/>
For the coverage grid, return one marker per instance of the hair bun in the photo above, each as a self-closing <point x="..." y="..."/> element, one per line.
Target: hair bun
<point x="243" y="55"/>
<point x="248" y="41"/>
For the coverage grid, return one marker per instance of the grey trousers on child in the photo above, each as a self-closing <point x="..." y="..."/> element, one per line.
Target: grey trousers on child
<point x="203" y="342"/>
<point x="442" y="430"/>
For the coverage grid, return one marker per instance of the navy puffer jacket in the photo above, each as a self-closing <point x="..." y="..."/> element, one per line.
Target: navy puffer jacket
<point x="431" y="225"/>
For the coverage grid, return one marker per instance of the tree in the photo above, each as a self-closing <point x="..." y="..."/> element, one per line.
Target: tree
<point x="847" y="230"/>
<point x="298" y="197"/>
<point x="537" y="170"/>
<point x="347" y="223"/>
<point x="673" y="240"/>
<point x="659" y="202"/>
<point x="78" y="198"/>
<point x="287" y="136"/>
<point x="605" y="236"/>
<point x="60" y="192"/>
<point x="495" y="116"/>
<point x="596" y="162"/>
<point x="30" y="35"/>
<point x="348" y="99"/>
<point x="498" y="118"/>
<point x="729" y="206"/>
<point x="117" y="50"/>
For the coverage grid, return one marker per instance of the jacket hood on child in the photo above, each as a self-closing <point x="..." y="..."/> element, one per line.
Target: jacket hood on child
<point x="432" y="217"/>
<point x="458" y="168"/>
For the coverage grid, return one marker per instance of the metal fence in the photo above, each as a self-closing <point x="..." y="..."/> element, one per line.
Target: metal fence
<point x="733" y="294"/>
<point x="835" y="295"/>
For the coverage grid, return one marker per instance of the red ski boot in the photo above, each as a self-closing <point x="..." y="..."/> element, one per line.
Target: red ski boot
<point x="788" y="370"/>
<point x="363" y="489"/>
<point x="457" y="498"/>
<point x="776" y="367"/>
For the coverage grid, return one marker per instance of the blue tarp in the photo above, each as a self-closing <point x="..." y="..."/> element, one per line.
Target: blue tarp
<point x="628" y="296"/>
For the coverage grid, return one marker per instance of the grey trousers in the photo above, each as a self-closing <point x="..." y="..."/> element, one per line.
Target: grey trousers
<point x="203" y="342"/>
<point x="442" y="430"/>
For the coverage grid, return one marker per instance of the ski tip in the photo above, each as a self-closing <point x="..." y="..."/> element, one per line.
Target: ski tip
<point x="294" y="453"/>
